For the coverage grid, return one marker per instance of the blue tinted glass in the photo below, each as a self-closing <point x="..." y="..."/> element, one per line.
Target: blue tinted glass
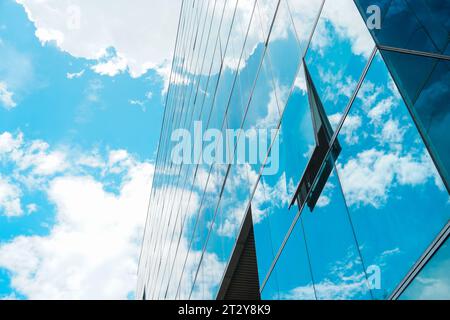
<point x="337" y="55"/>
<point x="421" y="25"/>
<point x="433" y="281"/>
<point x="216" y="254"/>
<point x="261" y="227"/>
<point x="234" y="202"/>
<point x="303" y="15"/>
<point x="427" y="94"/>
<point x="284" y="55"/>
<point x="337" y="268"/>
<point x="291" y="277"/>
<point x="391" y="187"/>
<point x="212" y="267"/>
<point x="294" y="144"/>
<point x="264" y="108"/>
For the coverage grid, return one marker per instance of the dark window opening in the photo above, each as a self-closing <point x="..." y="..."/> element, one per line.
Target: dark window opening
<point x="320" y="165"/>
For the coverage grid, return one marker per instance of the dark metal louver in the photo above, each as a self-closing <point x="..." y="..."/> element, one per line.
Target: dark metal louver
<point x="241" y="281"/>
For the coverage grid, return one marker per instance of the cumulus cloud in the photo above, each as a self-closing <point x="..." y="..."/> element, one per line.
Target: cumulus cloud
<point x="32" y="161"/>
<point x="38" y="159"/>
<point x="91" y="251"/>
<point x="348" y="24"/>
<point x="368" y="177"/>
<point x="142" y="32"/>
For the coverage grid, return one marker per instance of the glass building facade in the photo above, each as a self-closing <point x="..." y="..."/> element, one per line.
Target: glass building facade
<point x="356" y="97"/>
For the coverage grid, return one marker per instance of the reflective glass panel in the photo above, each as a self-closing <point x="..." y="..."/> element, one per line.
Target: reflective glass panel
<point x="391" y="187"/>
<point x="433" y="281"/>
<point x="337" y="269"/>
<point x="291" y="277"/>
<point x="411" y="24"/>
<point x="337" y="55"/>
<point x="427" y="94"/>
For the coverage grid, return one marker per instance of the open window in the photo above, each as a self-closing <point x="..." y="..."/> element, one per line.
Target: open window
<point x="321" y="163"/>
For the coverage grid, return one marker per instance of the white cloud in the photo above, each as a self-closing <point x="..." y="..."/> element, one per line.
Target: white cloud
<point x="392" y="133"/>
<point x="350" y="127"/>
<point x="343" y="281"/>
<point x="232" y="221"/>
<point x="277" y="99"/>
<point x="368" y="178"/>
<point x="382" y="108"/>
<point x="327" y="290"/>
<point x="50" y="35"/>
<point x="8" y="142"/>
<point x="277" y="195"/>
<point x="37" y="157"/>
<point x="300" y="83"/>
<point x="91" y="161"/>
<point x="349" y="24"/>
<point x="6" y="97"/>
<point x="10" y="204"/>
<point x="92" y="250"/>
<point x="304" y="14"/>
<point x="112" y="66"/>
<point x="142" y="32"/>
<point x="325" y="197"/>
<point x="75" y="75"/>
<point x="119" y="161"/>
<point x="338" y="85"/>
<point x="32" y="162"/>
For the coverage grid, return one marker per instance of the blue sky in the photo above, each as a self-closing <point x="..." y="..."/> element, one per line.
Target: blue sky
<point x="74" y="131"/>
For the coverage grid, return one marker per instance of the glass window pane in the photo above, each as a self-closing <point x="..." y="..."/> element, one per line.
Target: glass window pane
<point x="390" y="184"/>
<point x="234" y="202"/>
<point x="261" y="227"/>
<point x="337" y="269"/>
<point x="421" y="25"/>
<point x="288" y="161"/>
<point x="284" y="55"/>
<point x="428" y="96"/>
<point x="291" y="277"/>
<point x="433" y="281"/>
<point x="337" y="55"/>
<point x="304" y="14"/>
